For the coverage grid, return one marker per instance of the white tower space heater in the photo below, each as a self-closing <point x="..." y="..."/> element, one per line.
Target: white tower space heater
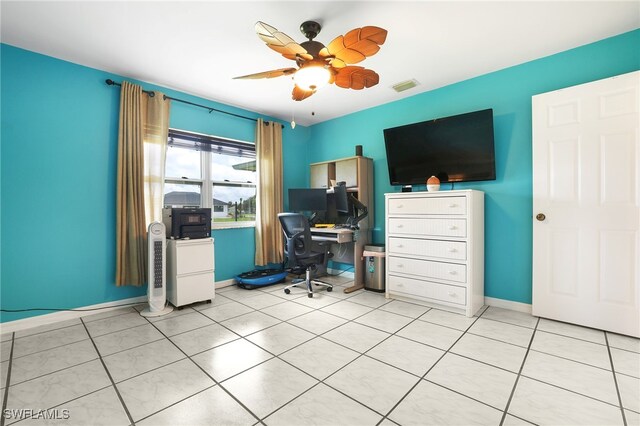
<point x="157" y="287"/>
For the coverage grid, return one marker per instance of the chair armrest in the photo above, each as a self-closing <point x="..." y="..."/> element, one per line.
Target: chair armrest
<point x="291" y="246"/>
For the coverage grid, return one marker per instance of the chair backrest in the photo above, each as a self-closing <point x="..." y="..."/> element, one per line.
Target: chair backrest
<point x="297" y="234"/>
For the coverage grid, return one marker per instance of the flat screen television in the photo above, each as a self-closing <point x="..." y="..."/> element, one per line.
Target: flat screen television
<point x="454" y="149"/>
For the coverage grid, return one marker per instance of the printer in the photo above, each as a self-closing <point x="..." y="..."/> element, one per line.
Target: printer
<point x="187" y="223"/>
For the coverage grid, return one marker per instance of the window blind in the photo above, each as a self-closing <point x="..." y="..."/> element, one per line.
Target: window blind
<point x="214" y="144"/>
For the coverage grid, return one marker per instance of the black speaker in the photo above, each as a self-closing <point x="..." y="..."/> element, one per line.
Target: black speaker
<point x="359" y="150"/>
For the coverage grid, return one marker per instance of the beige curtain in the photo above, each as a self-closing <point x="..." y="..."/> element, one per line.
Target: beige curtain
<point x="156" y="130"/>
<point x="269" y="200"/>
<point x="140" y="177"/>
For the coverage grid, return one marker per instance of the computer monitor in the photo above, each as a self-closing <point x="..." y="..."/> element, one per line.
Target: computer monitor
<point x="342" y="199"/>
<point x="307" y="199"/>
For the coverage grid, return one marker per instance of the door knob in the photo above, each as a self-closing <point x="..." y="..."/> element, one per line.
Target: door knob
<point x="541" y="217"/>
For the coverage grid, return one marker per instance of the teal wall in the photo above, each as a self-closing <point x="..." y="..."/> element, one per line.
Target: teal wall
<point x="508" y="199"/>
<point x="59" y="153"/>
<point x="58" y="176"/>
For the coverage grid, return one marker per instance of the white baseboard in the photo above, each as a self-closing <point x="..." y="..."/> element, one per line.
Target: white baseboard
<point x="225" y="283"/>
<point x="508" y="304"/>
<point x="23" y="324"/>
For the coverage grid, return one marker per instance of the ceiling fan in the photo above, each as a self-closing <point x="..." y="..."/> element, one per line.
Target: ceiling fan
<point x="319" y="65"/>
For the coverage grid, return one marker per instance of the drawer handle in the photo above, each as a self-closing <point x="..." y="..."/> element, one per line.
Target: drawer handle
<point x="400" y="285"/>
<point x="400" y="265"/>
<point x="452" y="227"/>
<point x="400" y="206"/>
<point x="452" y="205"/>
<point x="452" y="294"/>
<point x="452" y="272"/>
<point x="399" y="226"/>
<point x="400" y="246"/>
<point x="452" y="250"/>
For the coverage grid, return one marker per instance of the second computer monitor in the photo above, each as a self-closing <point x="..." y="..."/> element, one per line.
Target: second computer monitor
<point x="342" y="199"/>
<point x="307" y="199"/>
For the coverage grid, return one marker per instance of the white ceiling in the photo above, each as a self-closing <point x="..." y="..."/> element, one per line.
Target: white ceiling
<point x="198" y="47"/>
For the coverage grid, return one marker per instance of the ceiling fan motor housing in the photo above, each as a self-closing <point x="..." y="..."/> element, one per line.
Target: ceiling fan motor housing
<point x="310" y="29"/>
<point x="313" y="48"/>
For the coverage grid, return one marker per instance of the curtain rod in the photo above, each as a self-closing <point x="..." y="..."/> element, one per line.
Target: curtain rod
<point x="152" y="94"/>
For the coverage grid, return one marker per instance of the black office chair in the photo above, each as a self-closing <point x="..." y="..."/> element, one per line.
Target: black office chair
<point x="300" y="257"/>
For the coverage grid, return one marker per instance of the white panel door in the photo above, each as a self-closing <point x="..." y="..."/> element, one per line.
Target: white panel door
<point x="586" y="198"/>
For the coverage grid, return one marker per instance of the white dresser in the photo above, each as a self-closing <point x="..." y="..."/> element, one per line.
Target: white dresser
<point x="190" y="271"/>
<point x="435" y="248"/>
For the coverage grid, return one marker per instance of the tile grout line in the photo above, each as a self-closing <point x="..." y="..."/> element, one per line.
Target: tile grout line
<point x="48" y="349"/>
<point x="571" y="391"/>
<point x="314" y="337"/>
<point x="177" y="402"/>
<point x="8" y="381"/>
<point x="360" y="355"/>
<point x="423" y="377"/>
<point x="302" y="343"/>
<point x="322" y="381"/>
<point x="43" y="332"/>
<point x="573" y="337"/>
<point x="615" y="379"/>
<point x="126" y="409"/>
<point x="206" y="373"/>
<point x="571" y="359"/>
<point x="515" y="384"/>
<point x="280" y="320"/>
<point x="54" y="372"/>
<point x="364" y="353"/>
<point x="413" y="320"/>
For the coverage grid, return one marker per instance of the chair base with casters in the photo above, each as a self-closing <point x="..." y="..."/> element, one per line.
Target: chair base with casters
<point x="307" y="282"/>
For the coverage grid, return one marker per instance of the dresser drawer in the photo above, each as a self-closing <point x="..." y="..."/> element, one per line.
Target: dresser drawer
<point x="426" y="289"/>
<point x="427" y="205"/>
<point x="452" y="250"/>
<point x="428" y="227"/>
<point x="428" y="269"/>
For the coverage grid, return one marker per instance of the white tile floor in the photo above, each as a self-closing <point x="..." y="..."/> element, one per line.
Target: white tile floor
<point x="263" y="357"/>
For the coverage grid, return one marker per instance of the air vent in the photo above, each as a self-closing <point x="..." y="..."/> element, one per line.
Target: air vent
<point x="405" y="85"/>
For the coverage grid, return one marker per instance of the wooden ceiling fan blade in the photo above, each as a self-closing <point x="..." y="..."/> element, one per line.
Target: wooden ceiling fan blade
<point x="291" y="52"/>
<point x="279" y="41"/>
<point x="365" y="47"/>
<point x="271" y="35"/>
<point x="375" y="34"/>
<point x="299" y="94"/>
<point x="337" y="63"/>
<point x="357" y="44"/>
<point x="357" y="78"/>
<point x="268" y="74"/>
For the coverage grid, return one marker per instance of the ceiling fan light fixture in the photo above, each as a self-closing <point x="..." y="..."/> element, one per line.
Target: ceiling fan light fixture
<point x="312" y="77"/>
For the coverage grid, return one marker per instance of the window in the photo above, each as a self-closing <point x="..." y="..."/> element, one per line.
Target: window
<point x="213" y="172"/>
